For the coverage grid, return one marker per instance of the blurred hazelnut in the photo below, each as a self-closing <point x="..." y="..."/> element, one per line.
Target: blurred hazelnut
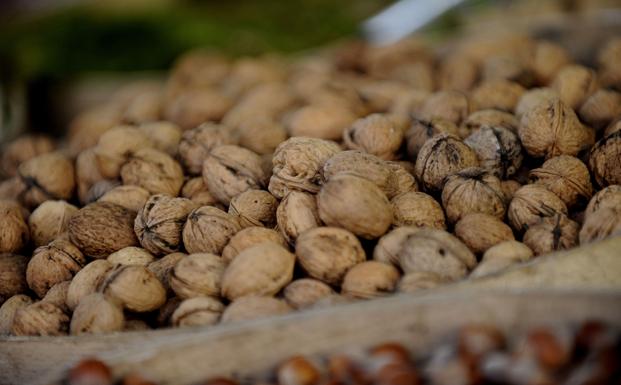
<point x="531" y="203"/>
<point x="90" y="372"/>
<point x="220" y="226"/>
<point x="248" y="237"/>
<point x="296" y="213"/>
<point x="305" y="292"/>
<point x="370" y="279"/>
<point x="417" y="209"/>
<point x="565" y="176"/>
<point x="49" y="220"/>
<point x="547" y="59"/>
<point x="481" y="231"/>
<point x="197" y="143"/>
<point x="59" y="261"/>
<point x="297" y="370"/>
<point x="197" y="275"/>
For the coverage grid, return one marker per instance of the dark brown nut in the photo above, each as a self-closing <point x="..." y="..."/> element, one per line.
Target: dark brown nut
<point x="197" y="311"/>
<point x="550" y="129"/>
<point x="40" y="319"/>
<point x="534" y="97"/>
<point x="607" y="197"/>
<point x="102" y="228"/>
<point x="436" y="251"/>
<point x="355" y="204"/>
<point x="376" y="134"/>
<point x="305" y="292"/>
<point x="547" y="59"/>
<point x="135" y="287"/>
<point x="450" y="105"/>
<point x="192" y="107"/>
<point x="567" y="177"/>
<point x="297" y="165"/>
<point x="159" y="223"/>
<point x="574" y="84"/>
<point x="197" y="143"/>
<point x="458" y="72"/>
<point x="262" y="270"/>
<point x="296" y="213"/>
<point x="417" y="209"/>
<point x="320" y="120"/>
<point x="492" y="118"/>
<point x="509" y="187"/>
<point x="116" y="146"/>
<point x="501" y="256"/>
<point x="473" y="190"/>
<point x="162" y="268"/>
<point x="477" y="340"/>
<point x="248" y="237"/>
<point x="8" y="310"/>
<point x="531" y="203"/>
<point x="552" y="233"/>
<point x="370" y="279"/>
<point x="219" y="225"/>
<point x="388" y="246"/>
<point x="298" y="370"/>
<point x="498" y="149"/>
<point x="420" y="280"/>
<point x="261" y="135"/>
<point x="422" y="130"/>
<point x="551" y="349"/>
<point x="481" y="231"/>
<point x="97" y="314"/>
<point x="90" y="371"/>
<point x="601" y="224"/>
<point x="197" y="275"/>
<point x="59" y="261"/>
<point x="57" y="295"/>
<point x="87" y="174"/>
<point x="442" y="156"/>
<point x="131" y="256"/>
<point x="15" y="233"/>
<point x="604" y="160"/>
<point x="601" y="108"/>
<point x="164" y="314"/>
<point x="47" y="176"/>
<point x="165" y="136"/>
<point x="130" y="197"/>
<point x="86" y="281"/>
<point x="12" y="275"/>
<point x="254" y="208"/>
<point x="254" y="307"/>
<point x="49" y="220"/>
<point x="22" y="149"/>
<point x="153" y="170"/>
<point x="497" y="94"/>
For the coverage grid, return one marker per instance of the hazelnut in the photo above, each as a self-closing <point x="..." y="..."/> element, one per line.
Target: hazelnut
<point x="422" y="130"/>
<point x="604" y="160"/>
<point x="248" y="237"/>
<point x="197" y="143"/>
<point x="481" y="231"/>
<point x="12" y="275"/>
<point x="196" y="190"/>
<point x="97" y="314"/>
<point x="376" y="134"/>
<point x="498" y="149"/>
<point x="87" y="174"/>
<point x="551" y="349"/>
<point x="90" y="372"/>
<point x="417" y="209"/>
<point x="305" y="292"/>
<point x="492" y="118"/>
<point x="86" y="281"/>
<point x="49" y="220"/>
<point x="254" y="208"/>
<point x="159" y="223"/>
<point x="296" y="213"/>
<point x="574" y="84"/>
<point x="22" y="149"/>
<point x="192" y="107"/>
<point x="162" y="268"/>
<point x="165" y="136"/>
<point x="607" y="197"/>
<point x="131" y="197"/>
<point x="497" y="94"/>
<point x="531" y="203"/>
<point x="261" y="135"/>
<point x="135" y="287"/>
<point x="389" y="245"/>
<point x="297" y="370"/>
<point x="501" y="256"/>
<point x="131" y="256"/>
<point x="450" y="105"/>
<point x="115" y="147"/>
<point x="601" y="224"/>
<point x="47" y="176"/>
<point x="263" y="269"/>
<point x="552" y="233"/>
<point x="57" y="295"/>
<point x="153" y="170"/>
<point x="601" y="108"/>
<point x="40" y="319"/>
<point x="197" y="311"/>
<point x="15" y="233"/>
<point x="320" y="120"/>
<point x="101" y="228"/>
<point x="565" y="176"/>
<point x="370" y="279"/>
<point x="197" y="275"/>
<point x="534" y="97"/>
<point x="59" y="261"/>
<point x="208" y="229"/>
<point x="509" y="187"/>
<point x="8" y="310"/>
<point x="419" y="280"/>
<point x="473" y="190"/>
<point x="254" y="307"/>
<point x="355" y="204"/>
<point x="477" y="340"/>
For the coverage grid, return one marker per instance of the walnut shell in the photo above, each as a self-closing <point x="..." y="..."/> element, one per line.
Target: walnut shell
<point x="500" y="94"/>
<point x="47" y="176"/>
<point x="565" y="176"/>
<point x="99" y="189"/>
<point x="248" y="237"/>
<point x="197" y="143"/>
<point x="355" y="204"/>
<point x="417" y="209"/>
<point x="261" y="135"/>
<point x="498" y="149"/>
<point x="296" y="213"/>
<point x="501" y="256"/>
<point x="165" y="136"/>
<point x="254" y="208"/>
<point x="87" y="174"/>
<point x="153" y="170"/>
<point x="507" y="66"/>
<point x="198" y="275"/>
<point x="604" y="160"/>
<point x="458" y="72"/>
<point x="86" y="281"/>
<point x="263" y="269"/>
<point x="481" y="231"/>
<point x="208" y="229"/>
<point x="12" y="275"/>
<point x="607" y="197"/>
<point x="531" y="203"/>
<point x="422" y="130"/>
<point x="574" y="84"/>
<point x="40" y="319"/>
<point x="601" y="108"/>
<point x="376" y="134"/>
<point x="473" y="190"/>
<point x="197" y="311"/>
<point x="97" y="314"/>
<point x="131" y="256"/>
<point x="601" y="224"/>
<point x="87" y="127"/>
<point x="15" y="233"/>
<point x="8" y="310"/>
<point x="305" y="292"/>
<point x="441" y="156"/>
<point x="196" y="190"/>
<point x="59" y="261"/>
<point x="492" y="118"/>
<point x="547" y="59"/>
<point x="389" y="245"/>
<point x="162" y="268"/>
<point x="115" y="147"/>
<point x="320" y="120"/>
<point x="135" y="287"/>
<point x="49" y="220"/>
<point x="370" y="279"/>
<point x="101" y="228"/>
<point x="552" y="233"/>
<point x="534" y="97"/>
<point x="57" y="295"/>
<point x="195" y="106"/>
<point x="450" y="105"/>
<point x="131" y="197"/>
<point x="509" y="187"/>
<point x="419" y="280"/>
<point x="22" y="149"/>
<point x="254" y="307"/>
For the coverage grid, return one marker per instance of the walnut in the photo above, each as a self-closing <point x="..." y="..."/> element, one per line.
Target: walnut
<point x="574" y="84"/>
<point x="423" y="130"/>
<point x="305" y="292"/>
<point x="261" y="135"/>
<point x="59" y="261"/>
<point x="419" y="280"/>
<point x="87" y="174"/>
<point x="552" y="233"/>
<point x="263" y="269"/>
<point x="57" y="295"/>
<point x="199" y="67"/>
<point x="197" y="143"/>
<point x="97" y="314"/>
<point x="99" y="189"/>
<point x="450" y="105"/>
<point x="248" y="237"/>
<point x="607" y="197"/>
<point x="613" y="127"/>
<point x="370" y="279"/>
<point x="355" y="204"/>
<point x="12" y="275"/>
<point x="159" y="223"/>
<point x="565" y="176"/>
<point x="498" y="149"/>
<point x="208" y="229"/>
<point x="47" y="176"/>
<point x="417" y="209"/>
<point x="115" y="147"/>
<point x="131" y="256"/>
<point x="497" y="94"/>
<point x="601" y="108"/>
<point x="165" y="136"/>
<point x="22" y="149"/>
<point x="409" y="104"/>
<point x="247" y="73"/>
<point x="493" y="118"/>
<point x="162" y="268"/>
<point x="534" y="97"/>
<point x="458" y="72"/>
<point x="255" y="208"/>
<point x="389" y="245"/>
<point x="441" y="156"/>
<point x="531" y="203"/>
<point x="101" y="228"/>
<point x="296" y="213"/>
<point x="380" y="95"/>
<point x="197" y="275"/>
<point x="15" y="233"/>
<point x="601" y="224"/>
<point x="191" y="107"/>
<point x="49" y="220"/>
<point x="550" y="129"/>
<point x="135" y="287"/>
<point x="509" y="187"/>
<point x="604" y="160"/>
<point x="320" y="120"/>
<point x="86" y="281"/>
<point x="11" y="188"/>
<point x="131" y="197"/>
<point x="473" y="190"/>
<point x="141" y="101"/>
<point x="376" y="134"/>
<point x="501" y="256"/>
<point x="481" y="231"/>
<point x="8" y="310"/>
<point x="196" y="190"/>
<point x="87" y="127"/>
<point x="197" y="311"/>
<point x="297" y="164"/>
<point x="153" y="170"/>
<point x="40" y="319"/>
<point x="254" y="307"/>
<point x="608" y="59"/>
<point x="547" y="59"/>
<point x="269" y="99"/>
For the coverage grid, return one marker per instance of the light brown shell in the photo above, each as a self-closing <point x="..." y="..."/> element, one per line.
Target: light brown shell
<point x="194" y="106"/>
<point x="208" y="229"/>
<point x="509" y="187"/>
<point x="164" y="135"/>
<point x="498" y="149"/>
<point x="493" y="118"/>
<point x="534" y="97"/>
<point x="419" y="280"/>
<point x="153" y="170"/>
<point x="296" y="213"/>
<point x="12" y="275"/>
<point x="261" y="134"/>
<point x="320" y="120"/>
<point x="87" y="174"/>
<point x="422" y="130"/>
<point x="87" y="127"/>
<point x="305" y="292"/>
<point x="197" y="311"/>
<point x="552" y="233"/>
<point x="8" y="310"/>
<point x="254" y="208"/>
<point x="263" y="269"/>
<point x="15" y="233"/>
<point x="40" y="319"/>
<point x="197" y="143"/>
<point x="49" y="220"/>
<point x="163" y="267"/>
<point x="254" y="307"/>
<point x="47" y="176"/>
<point x="607" y="197"/>
<point x="388" y="246"/>
<point x="531" y="203"/>
<point x="57" y="295"/>
<point x="574" y="84"/>
<point x="547" y="59"/>
<point x="501" y="256"/>
<point x="130" y="197"/>
<point x="417" y="209"/>
<point x="481" y="231"/>
<point x="131" y="255"/>
<point x="567" y="177"/>
<point x="135" y="287"/>
<point x="22" y="149"/>
<point x="498" y="94"/>
<point x="376" y="134"/>
<point x="601" y="224"/>
<point x="450" y="105"/>
<point x="196" y="190"/>
<point x="458" y="72"/>
<point x="601" y="108"/>
<point x="604" y="160"/>
<point x="355" y="204"/>
<point x="97" y="314"/>
<point x="59" y="261"/>
<point x="115" y="147"/>
<point x="86" y="281"/>
<point x="370" y="279"/>
<point x="197" y="275"/>
<point x="248" y="237"/>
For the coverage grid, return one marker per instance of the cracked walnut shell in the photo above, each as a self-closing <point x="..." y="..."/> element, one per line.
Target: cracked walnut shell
<point x="59" y="261"/>
<point x="15" y="233"/>
<point x="49" y="220"/>
<point x="197" y="275"/>
<point x="40" y="319"/>
<point x="296" y="213"/>
<point x="552" y="233"/>
<point x="376" y="134"/>
<point x="254" y="208"/>
<point x="531" y="203"/>
<point x="567" y="177"/>
<point x="135" y="287"/>
<point x="305" y="292"/>
<point x="197" y="143"/>
<point x="197" y="311"/>
<point x="370" y="279"/>
<point x="209" y="229"/>
<point x="248" y="237"/>
<point x="481" y="231"/>
<point x="47" y="176"/>
<point x="417" y="209"/>
<point x="153" y="170"/>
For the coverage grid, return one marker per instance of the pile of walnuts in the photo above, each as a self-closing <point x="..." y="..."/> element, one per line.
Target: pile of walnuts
<point x="248" y="188"/>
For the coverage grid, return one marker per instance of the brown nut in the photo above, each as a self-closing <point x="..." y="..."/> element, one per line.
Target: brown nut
<point x="422" y="130"/>
<point x="209" y="229"/>
<point x="57" y="295"/>
<point x="136" y="325"/>
<point x="115" y="147"/>
<point x="59" y="261"/>
<point x="90" y="371"/>
<point x="498" y="94"/>
<point x="481" y="231"/>
<point x="601" y="224"/>
<point x="196" y="190"/>
<point x="194" y="106"/>
<point x="22" y="149"/>
<point x="547" y="59"/>
<point x="389" y="245"/>
<point x="450" y="105"/>
<point x="131" y="256"/>
<point x="261" y="135"/>
<point x="565" y="176"/>
<point x="162" y="268"/>
<point x="604" y="160"/>
<point x="296" y="213"/>
<point x="131" y="197"/>
<point x="417" y="209"/>
<point x="531" y="203"/>
<point x="12" y="275"/>
<point x="509" y="187"/>
<point x="552" y="233"/>
<point x="297" y="370"/>
<point x="87" y="174"/>
<point x="101" y="228"/>
<point x="601" y="108"/>
<point x="134" y="287"/>
<point x="197" y="275"/>
<point x="259" y="270"/>
<point x="420" y="280"/>
<point x="501" y="256"/>
<point x="197" y="143"/>
<point x="40" y="319"/>
<point x="100" y="188"/>
<point x="376" y="134"/>
<point x="254" y="307"/>
<point x="154" y="170"/>
<point x="49" y="220"/>
<point x="355" y="204"/>
<point x="532" y="98"/>
<point x="87" y="127"/>
<point x="320" y="120"/>
<point x="86" y="281"/>
<point x="165" y="136"/>
<point x="8" y="310"/>
<point x="47" y="176"/>
<point x="370" y="279"/>
<point x="254" y="208"/>
<point x="607" y="197"/>
<point x="97" y="314"/>
<point x="197" y="311"/>
<point x="458" y="72"/>
<point x="492" y="118"/>
<point x="248" y="237"/>
<point x="574" y="84"/>
<point x="498" y="149"/>
<point x="305" y="292"/>
<point x="15" y="233"/>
